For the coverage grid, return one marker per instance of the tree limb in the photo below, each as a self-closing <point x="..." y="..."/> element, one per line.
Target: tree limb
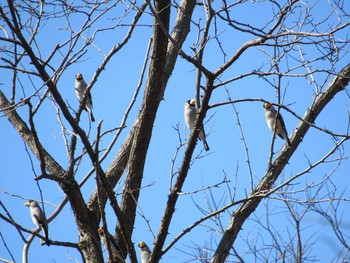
<point x="244" y="211"/>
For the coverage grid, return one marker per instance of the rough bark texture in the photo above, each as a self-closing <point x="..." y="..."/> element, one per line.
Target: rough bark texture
<point x="178" y="36"/>
<point x="143" y="125"/>
<point x="244" y="211"/>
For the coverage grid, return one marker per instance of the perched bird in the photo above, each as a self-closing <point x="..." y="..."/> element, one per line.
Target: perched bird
<point x="190" y="113"/>
<point x="275" y="121"/>
<point x="80" y="87"/>
<point x="115" y="249"/>
<point x="145" y="252"/>
<point x="38" y="218"/>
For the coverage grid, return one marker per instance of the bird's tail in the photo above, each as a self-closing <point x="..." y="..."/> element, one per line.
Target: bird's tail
<point x="47" y="240"/>
<point x="92" y="118"/>
<point x="206" y="146"/>
<point x="201" y="136"/>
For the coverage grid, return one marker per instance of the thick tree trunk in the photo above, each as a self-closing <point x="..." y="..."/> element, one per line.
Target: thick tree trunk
<point x="159" y="74"/>
<point x="143" y="125"/>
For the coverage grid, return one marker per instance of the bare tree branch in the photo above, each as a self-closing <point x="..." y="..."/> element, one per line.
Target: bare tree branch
<point x="238" y="217"/>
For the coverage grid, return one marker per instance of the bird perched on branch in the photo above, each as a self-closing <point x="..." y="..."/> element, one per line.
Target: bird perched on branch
<point x="190" y="113"/>
<point x="115" y="249"/>
<point x="39" y="218"/>
<point x="145" y="252"/>
<point x="80" y="87"/>
<point x="275" y="122"/>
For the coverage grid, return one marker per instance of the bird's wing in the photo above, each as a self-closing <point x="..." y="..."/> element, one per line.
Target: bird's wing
<point x="114" y="242"/>
<point x="90" y="98"/>
<point x="40" y="220"/>
<point x="280" y="118"/>
<point x="37" y="218"/>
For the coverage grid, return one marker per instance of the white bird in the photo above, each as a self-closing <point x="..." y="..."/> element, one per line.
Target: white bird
<point x="190" y="113"/>
<point x="80" y="87"/>
<point x="38" y="218"/>
<point x="275" y="121"/>
<point x="145" y="252"/>
<point x="115" y="249"/>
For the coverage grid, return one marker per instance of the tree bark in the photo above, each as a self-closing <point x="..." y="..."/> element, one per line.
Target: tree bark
<point x="143" y="125"/>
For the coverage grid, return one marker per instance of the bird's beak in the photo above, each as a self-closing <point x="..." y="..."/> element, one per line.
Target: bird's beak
<point x="27" y="204"/>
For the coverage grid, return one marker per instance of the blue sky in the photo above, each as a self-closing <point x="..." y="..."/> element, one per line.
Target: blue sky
<point x="111" y="96"/>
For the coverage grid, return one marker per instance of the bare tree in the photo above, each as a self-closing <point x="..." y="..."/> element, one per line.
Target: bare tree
<point x="290" y="44"/>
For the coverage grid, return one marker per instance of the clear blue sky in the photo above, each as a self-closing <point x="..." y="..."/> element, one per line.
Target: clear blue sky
<point x="111" y="96"/>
